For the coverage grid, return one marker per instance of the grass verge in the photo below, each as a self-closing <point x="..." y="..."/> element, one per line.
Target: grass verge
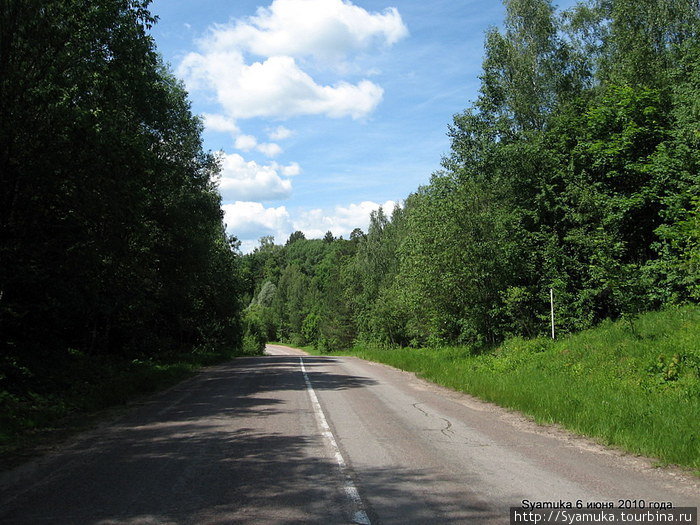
<point x="633" y="385"/>
<point x="63" y="398"/>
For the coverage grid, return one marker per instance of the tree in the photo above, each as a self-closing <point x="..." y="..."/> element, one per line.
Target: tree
<point x="267" y="244"/>
<point x="111" y="228"/>
<point x="525" y="68"/>
<point x="576" y="169"/>
<point x="356" y="234"/>
<point x="295" y="236"/>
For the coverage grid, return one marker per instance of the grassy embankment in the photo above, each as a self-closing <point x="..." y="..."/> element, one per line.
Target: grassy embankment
<point x="636" y="386"/>
<point x="59" y="399"/>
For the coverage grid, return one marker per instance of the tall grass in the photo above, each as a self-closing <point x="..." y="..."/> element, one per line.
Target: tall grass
<point x="633" y="384"/>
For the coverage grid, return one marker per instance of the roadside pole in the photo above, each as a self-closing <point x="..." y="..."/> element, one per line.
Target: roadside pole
<point x="551" y="304"/>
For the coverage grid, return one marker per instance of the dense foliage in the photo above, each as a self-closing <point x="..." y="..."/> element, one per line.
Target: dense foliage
<point x="112" y="244"/>
<point x="577" y="169"/>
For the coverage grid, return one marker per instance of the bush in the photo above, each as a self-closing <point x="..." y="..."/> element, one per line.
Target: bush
<point x="255" y="331"/>
<point x="252" y="345"/>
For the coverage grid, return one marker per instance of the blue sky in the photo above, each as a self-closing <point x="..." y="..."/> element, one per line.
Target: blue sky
<point x="323" y="109"/>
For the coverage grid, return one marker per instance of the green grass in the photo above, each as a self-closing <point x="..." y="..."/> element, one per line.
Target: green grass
<point x="636" y="386"/>
<point x="59" y="399"/>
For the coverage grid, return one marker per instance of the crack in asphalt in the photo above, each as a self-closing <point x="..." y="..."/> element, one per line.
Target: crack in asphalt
<point x="447" y="430"/>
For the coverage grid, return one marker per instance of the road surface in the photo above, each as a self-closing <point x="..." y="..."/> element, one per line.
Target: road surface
<point x="290" y="438"/>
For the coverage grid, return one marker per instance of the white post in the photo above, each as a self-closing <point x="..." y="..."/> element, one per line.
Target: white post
<point x="551" y="302"/>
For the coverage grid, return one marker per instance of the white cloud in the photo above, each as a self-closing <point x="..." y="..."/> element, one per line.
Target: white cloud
<point x="215" y="122"/>
<point x="249" y="245"/>
<point x="280" y="133"/>
<point x="290" y="170"/>
<point x="341" y="220"/>
<point x="247" y="180"/>
<point x="260" y="66"/>
<point x="321" y="28"/>
<point x="276" y="86"/>
<point x="269" y="149"/>
<point x="251" y="220"/>
<point x="245" y="142"/>
<point x="248" y="142"/>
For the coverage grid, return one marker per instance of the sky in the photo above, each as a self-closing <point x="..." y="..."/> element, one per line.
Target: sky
<point x="323" y="110"/>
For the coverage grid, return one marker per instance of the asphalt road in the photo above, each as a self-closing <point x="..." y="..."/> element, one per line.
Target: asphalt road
<point x="290" y="438"/>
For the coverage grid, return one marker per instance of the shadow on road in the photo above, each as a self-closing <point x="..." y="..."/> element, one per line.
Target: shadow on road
<point x="285" y="373"/>
<point x="196" y="473"/>
<point x="202" y="452"/>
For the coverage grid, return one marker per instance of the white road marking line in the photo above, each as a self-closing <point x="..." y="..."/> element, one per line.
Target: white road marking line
<point x="359" y="514"/>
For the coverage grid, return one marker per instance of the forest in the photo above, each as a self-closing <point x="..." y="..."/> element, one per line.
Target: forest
<point x="113" y="254"/>
<point x="575" y="170"/>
